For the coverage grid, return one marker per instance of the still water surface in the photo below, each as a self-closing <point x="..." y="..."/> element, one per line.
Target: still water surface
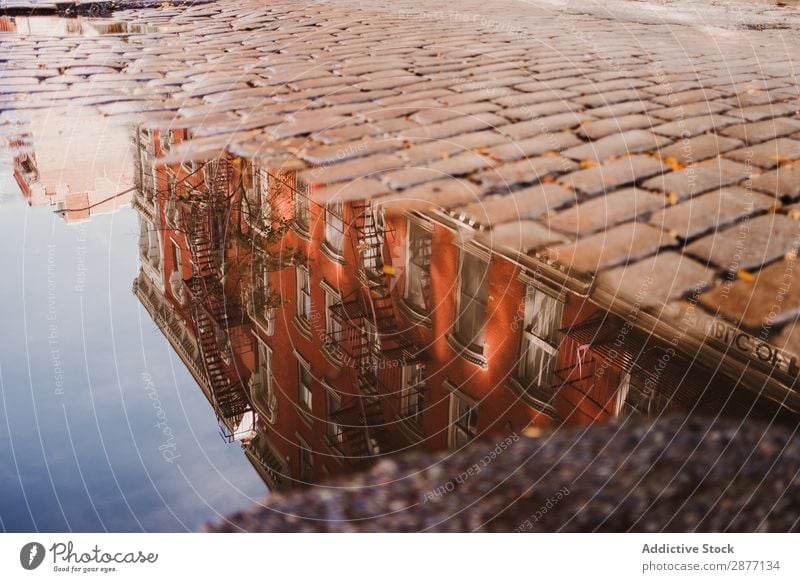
<point x="105" y="429"/>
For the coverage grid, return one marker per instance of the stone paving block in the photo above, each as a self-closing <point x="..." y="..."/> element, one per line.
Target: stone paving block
<point x="768" y="154"/>
<point x="444" y="193"/>
<point x="656" y="280"/>
<point x="691" y="96"/>
<point x="692" y="126"/>
<point x="604" y="127"/>
<point x="524" y="171"/>
<point x="629" y="142"/>
<point x="461" y="165"/>
<point x="670" y="87"/>
<point x="620" y="245"/>
<point x="767" y="111"/>
<point x="359" y="189"/>
<point x="699" y="148"/>
<point x="534" y="146"/>
<point x="613" y="174"/>
<point x="521" y="99"/>
<point x="604" y="212"/>
<point x="702" y="214"/>
<point x="748" y="244"/>
<point x="341" y="152"/>
<point x="455" y="126"/>
<point x="543" y="125"/>
<point x="476" y="96"/>
<point x="441" y="112"/>
<point x="783" y="183"/>
<point x="525" y="112"/>
<point x="352" y="169"/>
<point x="524" y="236"/>
<point x="762" y="302"/>
<point x="426" y="150"/>
<point x="514" y="206"/>
<point x="622" y="109"/>
<point x="699" y="178"/>
<point x="758" y="131"/>
<point x="693" y="110"/>
<point x="609" y="98"/>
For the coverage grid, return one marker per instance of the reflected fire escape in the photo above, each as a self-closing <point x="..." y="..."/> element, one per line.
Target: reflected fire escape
<point x="213" y="311"/>
<point x="373" y="345"/>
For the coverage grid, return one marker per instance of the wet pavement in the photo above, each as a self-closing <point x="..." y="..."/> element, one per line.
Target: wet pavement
<point x="105" y="430"/>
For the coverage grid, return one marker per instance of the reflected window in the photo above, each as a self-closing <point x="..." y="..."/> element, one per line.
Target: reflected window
<point x="539" y="344"/>
<point x="149" y="245"/>
<point x="334" y="228"/>
<point x="333" y="403"/>
<point x="259" y="208"/>
<point x="176" y="257"/>
<point x="418" y="268"/>
<point x="463" y="420"/>
<point x="636" y="397"/>
<point x="333" y="328"/>
<point x="264" y="390"/>
<point x="301" y="207"/>
<point x="304" y="385"/>
<point x="306" y="462"/>
<point x="303" y="293"/>
<point x="412" y="396"/>
<point x="472" y="302"/>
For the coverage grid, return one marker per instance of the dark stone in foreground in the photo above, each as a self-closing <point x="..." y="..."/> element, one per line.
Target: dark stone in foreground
<point x="672" y="475"/>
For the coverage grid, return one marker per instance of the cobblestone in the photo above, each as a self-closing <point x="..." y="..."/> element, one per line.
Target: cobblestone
<point x="768" y="154"/>
<point x="699" y="178"/>
<point x="368" y="100"/>
<point x="783" y="183"/>
<point x="748" y="245"/>
<point x="697" y="149"/>
<point x="606" y="211"/>
<point x="629" y="142"/>
<point x="665" y="277"/>
<point x="770" y="298"/>
<point x="611" y="175"/>
<point x="702" y="214"/>
<point x="615" y="246"/>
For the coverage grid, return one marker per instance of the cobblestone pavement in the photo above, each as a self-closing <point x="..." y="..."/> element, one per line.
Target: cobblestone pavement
<point x="611" y="478"/>
<point x="651" y="147"/>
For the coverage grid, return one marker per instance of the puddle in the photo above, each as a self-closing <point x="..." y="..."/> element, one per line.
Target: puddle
<point x="75" y="160"/>
<point x="79" y="26"/>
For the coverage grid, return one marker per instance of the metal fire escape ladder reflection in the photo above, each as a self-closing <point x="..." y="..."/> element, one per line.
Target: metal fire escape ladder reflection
<point x="369" y="335"/>
<point x="209" y="305"/>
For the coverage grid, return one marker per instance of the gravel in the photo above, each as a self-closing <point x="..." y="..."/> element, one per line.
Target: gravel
<point x="674" y="474"/>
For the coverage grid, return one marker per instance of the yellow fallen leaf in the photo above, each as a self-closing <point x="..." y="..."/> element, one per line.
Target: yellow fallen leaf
<point x="673" y="198"/>
<point x="674" y="164"/>
<point x="532" y="431"/>
<point x="782" y="160"/>
<point x="744" y="275"/>
<point x="586" y="164"/>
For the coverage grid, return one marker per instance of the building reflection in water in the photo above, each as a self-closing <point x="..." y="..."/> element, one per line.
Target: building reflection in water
<point x="328" y="335"/>
<point x="76" y="161"/>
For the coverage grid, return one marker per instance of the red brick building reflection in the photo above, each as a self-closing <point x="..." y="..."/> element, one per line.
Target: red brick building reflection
<point x="326" y="334"/>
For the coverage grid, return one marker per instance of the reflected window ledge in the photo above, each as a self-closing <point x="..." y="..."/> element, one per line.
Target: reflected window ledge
<point x="337" y="256"/>
<point x="532" y="396"/>
<point x="469" y="354"/>
<point x="414" y="314"/>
